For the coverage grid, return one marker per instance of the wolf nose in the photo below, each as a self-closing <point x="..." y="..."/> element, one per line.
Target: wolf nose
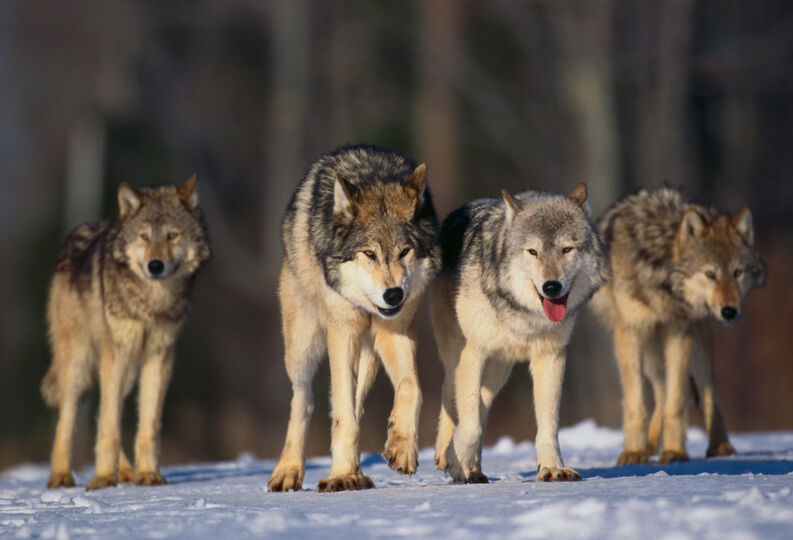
<point x="728" y="313"/>
<point x="393" y="296"/>
<point x="156" y="267"/>
<point x="552" y="288"/>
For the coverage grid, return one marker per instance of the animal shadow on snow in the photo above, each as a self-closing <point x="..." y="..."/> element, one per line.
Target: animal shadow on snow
<point x="754" y="463"/>
<point x="207" y="472"/>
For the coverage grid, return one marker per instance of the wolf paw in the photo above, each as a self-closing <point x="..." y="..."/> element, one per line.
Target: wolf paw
<point x="475" y="477"/>
<point x="149" y="478"/>
<point x="632" y="457"/>
<point x="126" y="474"/>
<point x="557" y="474"/>
<point x="440" y="461"/>
<point x="723" y="449"/>
<point x="286" y="478"/>
<point x="101" y="482"/>
<point x="60" y="480"/>
<point x="402" y="456"/>
<point x="348" y="482"/>
<point x="668" y="456"/>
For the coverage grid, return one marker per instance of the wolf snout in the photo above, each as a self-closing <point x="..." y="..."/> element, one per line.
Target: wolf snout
<point x="156" y="267"/>
<point x="729" y="313"/>
<point x="393" y="296"/>
<point x="551" y="288"/>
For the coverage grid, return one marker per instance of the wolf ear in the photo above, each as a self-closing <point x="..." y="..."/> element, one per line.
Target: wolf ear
<point x="742" y="221"/>
<point x="415" y="183"/>
<point x="513" y="206"/>
<point x="187" y="192"/>
<point x="343" y="203"/>
<point x="129" y="200"/>
<point x="692" y="226"/>
<point x="578" y="196"/>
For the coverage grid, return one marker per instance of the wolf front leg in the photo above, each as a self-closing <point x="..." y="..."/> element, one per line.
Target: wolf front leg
<point x="628" y="346"/>
<point x="397" y="349"/>
<point x="677" y="351"/>
<point x="462" y="456"/>
<point x="547" y="373"/>
<point x="155" y="375"/>
<point x="344" y="345"/>
<point x="112" y="365"/>
<point x="303" y="348"/>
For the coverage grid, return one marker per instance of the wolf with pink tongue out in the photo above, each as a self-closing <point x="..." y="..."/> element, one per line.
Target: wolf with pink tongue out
<point x="515" y="272"/>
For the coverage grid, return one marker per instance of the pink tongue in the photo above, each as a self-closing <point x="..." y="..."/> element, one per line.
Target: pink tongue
<point x="554" y="309"/>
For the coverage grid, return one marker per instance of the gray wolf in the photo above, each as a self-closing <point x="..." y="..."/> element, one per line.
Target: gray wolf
<point x="360" y="246"/>
<point x="673" y="264"/>
<point x="117" y="299"/>
<point x="515" y="272"/>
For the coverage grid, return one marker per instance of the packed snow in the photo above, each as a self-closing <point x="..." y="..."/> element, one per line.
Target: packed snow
<point x="744" y="496"/>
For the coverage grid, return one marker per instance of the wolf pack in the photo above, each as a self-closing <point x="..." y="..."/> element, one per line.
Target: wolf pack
<point x="507" y="278"/>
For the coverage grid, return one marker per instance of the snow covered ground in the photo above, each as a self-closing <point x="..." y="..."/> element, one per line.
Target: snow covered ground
<point x="742" y="497"/>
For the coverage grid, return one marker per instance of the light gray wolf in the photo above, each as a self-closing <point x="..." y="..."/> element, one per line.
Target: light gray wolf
<point x="515" y="272"/>
<point x="360" y="245"/>
<point x="672" y="264"/>
<point x="117" y="299"/>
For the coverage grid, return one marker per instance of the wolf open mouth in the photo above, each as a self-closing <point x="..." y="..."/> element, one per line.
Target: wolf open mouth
<point x="554" y="308"/>
<point x="389" y="312"/>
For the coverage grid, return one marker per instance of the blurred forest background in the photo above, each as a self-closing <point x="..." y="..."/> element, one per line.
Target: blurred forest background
<point x="500" y="94"/>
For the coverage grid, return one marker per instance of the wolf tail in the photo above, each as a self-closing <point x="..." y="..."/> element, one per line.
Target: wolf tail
<point x="51" y="389"/>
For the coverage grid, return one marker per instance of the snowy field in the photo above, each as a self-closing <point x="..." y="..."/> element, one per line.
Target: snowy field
<point x="745" y="496"/>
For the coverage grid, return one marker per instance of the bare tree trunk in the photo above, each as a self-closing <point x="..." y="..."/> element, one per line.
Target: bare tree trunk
<point x="84" y="170"/>
<point x="286" y="121"/>
<point x="664" y="40"/>
<point x="587" y="84"/>
<point x="436" y="103"/>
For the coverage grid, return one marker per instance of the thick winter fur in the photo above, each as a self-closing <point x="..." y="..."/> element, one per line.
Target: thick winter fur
<point x="360" y="244"/>
<point x="500" y="257"/>
<point x="118" y="297"/>
<point x="673" y="264"/>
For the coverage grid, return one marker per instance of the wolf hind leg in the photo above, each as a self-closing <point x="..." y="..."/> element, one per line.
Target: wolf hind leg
<point x="67" y="380"/>
<point x="701" y="372"/>
<point x="653" y="365"/>
<point x="397" y="349"/>
<point x="628" y="347"/>
<point x="303" y="347"/>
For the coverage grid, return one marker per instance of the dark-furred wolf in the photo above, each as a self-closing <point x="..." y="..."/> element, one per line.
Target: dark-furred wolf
<point x="672" y="264"/>
<point x="515" y="272"/>
<point x="117" y="299"/>
<point x="360" y="246"/>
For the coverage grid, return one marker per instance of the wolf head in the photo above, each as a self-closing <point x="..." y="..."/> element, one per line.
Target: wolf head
<point x="384" y="242"/>
<point x="553" y="255"/>
<point x="716" y="263"/>
<point x="161" y="231"/>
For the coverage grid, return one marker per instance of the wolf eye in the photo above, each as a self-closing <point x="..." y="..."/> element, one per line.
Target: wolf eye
<point x="369" y="253"/>
<point x="567" y="249"/>
<point x="738" y="272"/>
<point x="144" y="236"/>
<point x="710" y="275"/>
<point x="173" y="235"/>
<point x="532" y="252"/>
<point x="404" y="252"/>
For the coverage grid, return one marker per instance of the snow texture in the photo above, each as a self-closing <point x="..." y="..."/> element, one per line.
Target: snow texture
<point x="740" y="497"/>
